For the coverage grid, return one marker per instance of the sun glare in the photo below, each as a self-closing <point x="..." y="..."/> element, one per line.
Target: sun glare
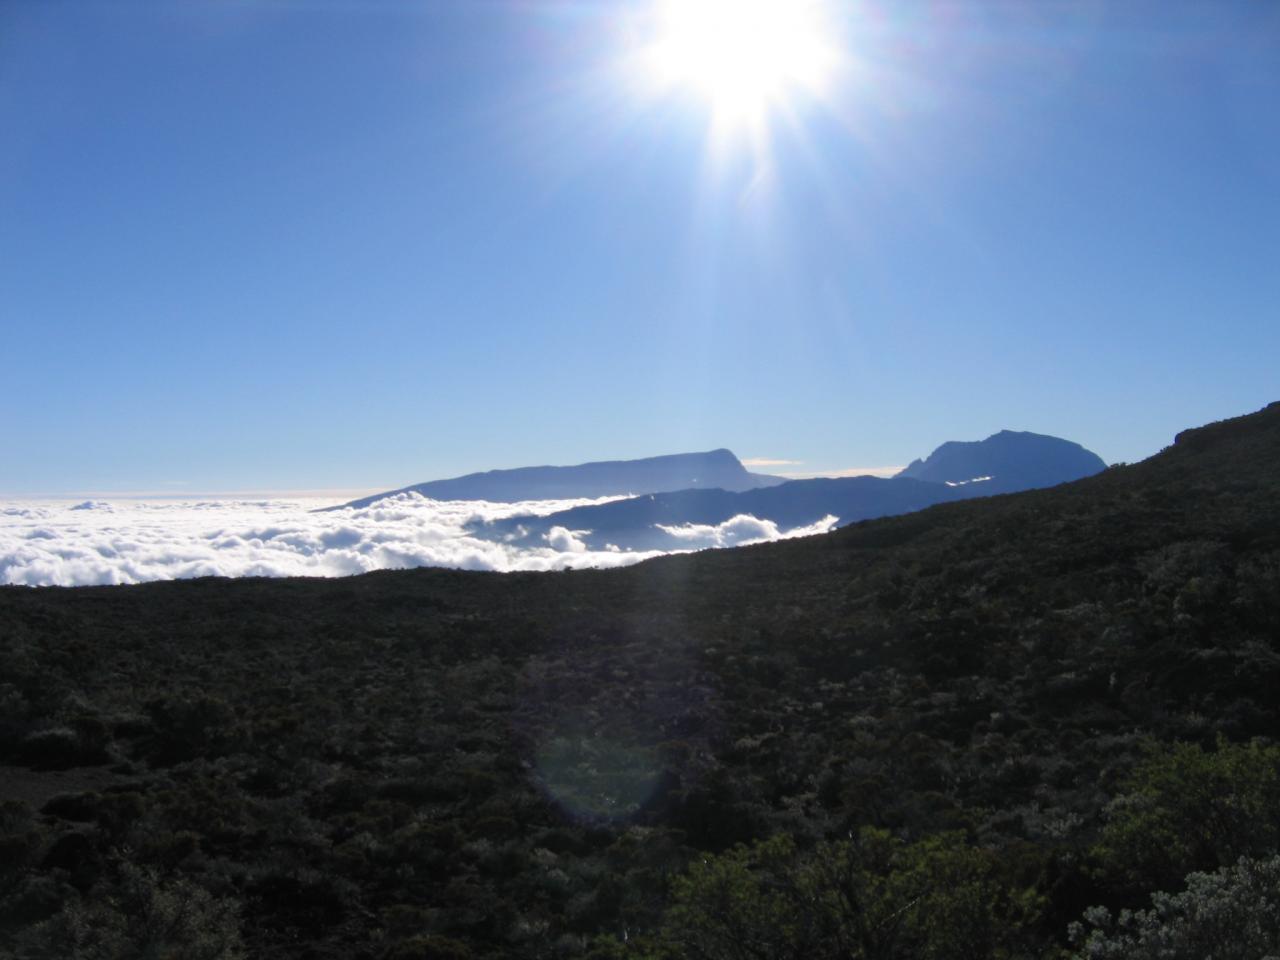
<point x="743" y="57"/>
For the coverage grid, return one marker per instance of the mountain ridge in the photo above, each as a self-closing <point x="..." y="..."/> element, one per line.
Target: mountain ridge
<point x="711" y="469"/>
<point x="1006" y="462"/>
<point x="636" y="523"/>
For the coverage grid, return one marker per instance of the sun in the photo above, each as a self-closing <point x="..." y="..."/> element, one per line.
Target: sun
<point x="742" y="57"/>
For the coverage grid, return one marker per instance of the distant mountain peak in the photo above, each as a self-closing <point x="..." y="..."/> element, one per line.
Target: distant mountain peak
<point x="1007" y="460"/>
<point x="711" y="469"/>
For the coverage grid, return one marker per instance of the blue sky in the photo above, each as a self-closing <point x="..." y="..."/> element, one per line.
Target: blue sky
<point x="354" y="245"/>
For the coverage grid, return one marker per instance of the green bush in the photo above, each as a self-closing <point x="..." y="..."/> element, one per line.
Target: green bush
<point x="870" y="897"/>
<point x="140" y="917"/>
<point x="1186" y="809"/>
<point x="184" y="729"/>
<point x="1231" y="913"/>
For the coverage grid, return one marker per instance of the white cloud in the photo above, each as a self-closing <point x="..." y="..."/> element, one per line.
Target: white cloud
<point x="134" y="541"/>
<point x="566" y="541"/>
<point x="24" y="512"/>
<point x="769" y="462"/>
<point x="741" y="530"/>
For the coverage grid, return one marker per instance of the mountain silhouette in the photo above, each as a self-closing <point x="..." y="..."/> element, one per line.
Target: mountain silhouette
<point x="635" y="524"/>
<point x="715" y="469"/>
<point x="1006" y="462"/>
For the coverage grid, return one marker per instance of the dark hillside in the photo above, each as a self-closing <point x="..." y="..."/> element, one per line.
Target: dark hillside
<point x="442" y="764"/>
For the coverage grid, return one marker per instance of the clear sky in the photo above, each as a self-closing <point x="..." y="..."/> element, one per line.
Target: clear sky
<point x="248" y="244"/>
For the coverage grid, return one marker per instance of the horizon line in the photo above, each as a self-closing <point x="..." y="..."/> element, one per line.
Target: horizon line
<point x="321" y="493"/>
<point x="888" y="471"/>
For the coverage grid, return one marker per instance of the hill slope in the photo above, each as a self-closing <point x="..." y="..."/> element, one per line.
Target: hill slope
<point x="439" y="763"/>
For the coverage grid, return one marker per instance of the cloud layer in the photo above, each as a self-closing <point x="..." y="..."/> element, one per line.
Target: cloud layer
<point x="119" y="542"/>
<point x="741" y="531"/>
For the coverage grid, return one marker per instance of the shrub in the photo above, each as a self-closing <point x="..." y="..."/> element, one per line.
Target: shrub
<point x="1231" y="913"/>
<point x="870" y="896"/>
<point x="144" y="918"/>
<point x="429" y="948"/>
<point x="54" y="748"/>
<point x="183" y="729"/>
<point x="1188" y="809"/>
<point x="20" y="836"/>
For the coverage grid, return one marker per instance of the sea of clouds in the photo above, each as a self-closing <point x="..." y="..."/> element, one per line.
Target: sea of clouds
<point x="131" y="541"/>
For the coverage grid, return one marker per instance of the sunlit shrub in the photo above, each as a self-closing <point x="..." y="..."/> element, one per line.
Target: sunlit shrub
<point x="1231" y="913"/>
